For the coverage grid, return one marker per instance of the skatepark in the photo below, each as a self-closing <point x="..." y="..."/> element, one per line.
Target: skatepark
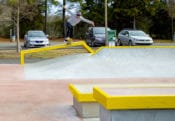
<point x="40" y="91"/>
<point x="107" y="63"/>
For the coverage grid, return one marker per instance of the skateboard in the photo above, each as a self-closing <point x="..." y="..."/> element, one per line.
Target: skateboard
<point x="69" y="41"/>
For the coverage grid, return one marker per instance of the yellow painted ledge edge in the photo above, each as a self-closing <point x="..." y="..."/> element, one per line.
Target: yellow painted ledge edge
<point x="80" y="43"/>
<point x="89" y="97"/>
<point x="133" y="102"/>
<point x="79" y="96"/>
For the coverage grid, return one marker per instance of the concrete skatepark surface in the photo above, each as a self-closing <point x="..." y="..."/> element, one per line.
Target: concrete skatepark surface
<point x="108" y="63"/>
<point x="39" y="91"/>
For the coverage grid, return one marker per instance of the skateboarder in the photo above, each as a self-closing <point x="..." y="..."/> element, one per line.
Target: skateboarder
<point x="74" y="19"/>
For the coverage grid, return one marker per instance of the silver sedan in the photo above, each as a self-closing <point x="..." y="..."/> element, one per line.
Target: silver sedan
<point x="134" y="37"/>
<point x="34" y="38"/>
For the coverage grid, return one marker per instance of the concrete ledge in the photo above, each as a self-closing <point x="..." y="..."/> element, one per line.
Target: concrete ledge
<point x="137" y="115"/>
<point x="158" y="97"/>
<point x="83" y="100"/>
<point x="86" y="109"/>
<point x="87" y="106"/>
<point x="149" y="103"/>
<point x="82" y="92"/>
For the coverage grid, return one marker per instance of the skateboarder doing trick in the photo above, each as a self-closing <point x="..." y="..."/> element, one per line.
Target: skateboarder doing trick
<point x="74" y="19"/>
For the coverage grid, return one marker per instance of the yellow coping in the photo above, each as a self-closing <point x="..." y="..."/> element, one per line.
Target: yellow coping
<point x="125" y="102"/>
<point x="81" y="96"/>
<point x="80" y="43"/>
<point x="84" y="92"/>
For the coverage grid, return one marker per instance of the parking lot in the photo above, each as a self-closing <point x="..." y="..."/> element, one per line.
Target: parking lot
<point x="12" y="45"/>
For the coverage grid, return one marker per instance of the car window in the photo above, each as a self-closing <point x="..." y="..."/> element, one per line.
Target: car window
<point x="137" y="33"/>
<point x="126" y="33"/>
<point x="100" y="30"/>
<point x="90" y="31"/>
<point x="122" y="32"/>
<point x="36" y="34"/>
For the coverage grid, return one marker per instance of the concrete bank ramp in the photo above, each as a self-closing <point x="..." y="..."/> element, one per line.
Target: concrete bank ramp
<point x="108" y="63"/>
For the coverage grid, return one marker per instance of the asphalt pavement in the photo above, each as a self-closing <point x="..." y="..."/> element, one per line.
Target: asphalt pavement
<point x="12" y="45"/>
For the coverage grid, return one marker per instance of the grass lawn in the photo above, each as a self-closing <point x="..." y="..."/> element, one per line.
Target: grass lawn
<point x="10" y="53"/>
<point x="162" y="41"/>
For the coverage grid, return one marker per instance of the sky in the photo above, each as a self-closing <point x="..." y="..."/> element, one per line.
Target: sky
<point x="57" y="10"/>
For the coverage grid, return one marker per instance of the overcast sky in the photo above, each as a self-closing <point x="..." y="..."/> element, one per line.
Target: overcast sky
<point x="56" y="10"/>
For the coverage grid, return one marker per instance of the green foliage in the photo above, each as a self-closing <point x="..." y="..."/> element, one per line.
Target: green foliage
<point x="54" y="2"/>
<point x="161" y="27"/>
<point x="147" y="23"/>
<point x="12" y="2"/>
<point x="5" y="29"/>
<point x="1" y="9"/>
<point x="30" y="1"/>
<point x="31" y="18"/>
<point x="171" y="8"/>
<point x="16" y="2"/>
<point x="54" y="28"/>
<point x="80" y="30"/>
<point x="27" y="24"/>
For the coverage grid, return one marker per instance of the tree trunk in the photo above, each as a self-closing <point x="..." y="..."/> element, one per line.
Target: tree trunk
<point x="134" y="23"/>
<point x="172" y="28"/>
<point x="45" y="22"/>
<point x="106" y="22"/>
<point x="17" y="29"/>
<point x="64" y="20"/>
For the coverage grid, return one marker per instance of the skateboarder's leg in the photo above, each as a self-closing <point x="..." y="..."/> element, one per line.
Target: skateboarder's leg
<point x="69" y="33"/>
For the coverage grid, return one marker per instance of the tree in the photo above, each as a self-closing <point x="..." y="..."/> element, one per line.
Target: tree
<point x="134" y="8"/>
<point x="161" y="22"/>
<point x="171" y="12"/>
<point x="5" y="21"/>
<point x="31" y="18"/>
<point x="19" y="11"/>
<point x="15" y="5"/>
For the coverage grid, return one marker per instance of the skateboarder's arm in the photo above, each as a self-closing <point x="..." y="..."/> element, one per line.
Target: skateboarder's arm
<point x="67" y="10"/>
<point x="87" y="21"/>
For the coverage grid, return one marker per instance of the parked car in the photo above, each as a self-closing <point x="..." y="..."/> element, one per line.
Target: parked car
<point x="35" y="38"/>
<point x="95" y="36"/>
<point x="134" y="37"/>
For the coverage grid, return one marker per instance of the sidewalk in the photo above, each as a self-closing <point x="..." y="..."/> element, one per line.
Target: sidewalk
<point x="33" y="100"/>
<point x="22" y="100"/>
<point x="48" y="100"/>
<point x="36" y="101"/>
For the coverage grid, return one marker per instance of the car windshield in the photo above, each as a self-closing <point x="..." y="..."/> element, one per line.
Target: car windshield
<point x="100" y="30"/>
<point x="36" y="34"/>
<point x="137" y="33"/>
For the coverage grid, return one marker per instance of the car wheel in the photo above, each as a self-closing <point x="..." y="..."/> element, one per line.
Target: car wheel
<point x="92" y="44"/>
<point x="25" y="45"/>
<point x="119" y="43"/>
<point x="130" y="43"/>
<point x="88" y="42"/>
